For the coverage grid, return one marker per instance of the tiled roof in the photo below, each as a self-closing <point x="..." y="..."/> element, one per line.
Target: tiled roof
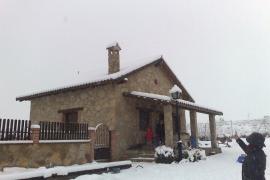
<point x="101" y="80"/>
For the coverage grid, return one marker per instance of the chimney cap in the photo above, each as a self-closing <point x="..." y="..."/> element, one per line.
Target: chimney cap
<point x="114" y="46"/>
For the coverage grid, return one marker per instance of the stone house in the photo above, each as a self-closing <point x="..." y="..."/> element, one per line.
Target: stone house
<point x="128" y="101"/>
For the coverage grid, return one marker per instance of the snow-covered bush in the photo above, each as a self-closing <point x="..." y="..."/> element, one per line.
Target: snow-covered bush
<point x="164" y="154"/>
<point x="194" y="155"/>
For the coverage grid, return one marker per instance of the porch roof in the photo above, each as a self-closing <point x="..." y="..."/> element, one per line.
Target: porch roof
<point x="167" y="100"/>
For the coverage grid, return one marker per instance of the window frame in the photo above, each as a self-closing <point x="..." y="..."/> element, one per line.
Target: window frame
<point x="66" y="112"/>
<point x="71" y="117"/>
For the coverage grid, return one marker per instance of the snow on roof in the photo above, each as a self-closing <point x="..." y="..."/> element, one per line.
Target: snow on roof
<point x="151" y="95"/>
<point x="169" y="99"/>
<point x="174" y="89"/>
<point x="101" y="78"/>
<point x="113" y="44"/>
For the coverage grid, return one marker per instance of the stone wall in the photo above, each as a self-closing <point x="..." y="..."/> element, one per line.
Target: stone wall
<point x="98" y="106"/>
<point x="37" y="155"/>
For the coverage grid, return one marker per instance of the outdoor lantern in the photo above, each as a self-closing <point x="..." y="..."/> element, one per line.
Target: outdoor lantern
<point x="175" y="92"/>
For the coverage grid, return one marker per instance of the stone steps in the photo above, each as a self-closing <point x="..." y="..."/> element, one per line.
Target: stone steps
<point x="149" y="157"/>
<point x="143" y="154"/>
<point x="142" y="159"/>
<point x="136" y="153"/>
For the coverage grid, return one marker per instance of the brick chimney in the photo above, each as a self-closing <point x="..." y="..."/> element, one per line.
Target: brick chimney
<point x="113" y="57"/>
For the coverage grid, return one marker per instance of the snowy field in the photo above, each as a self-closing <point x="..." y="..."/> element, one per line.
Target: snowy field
<point x="219" y="167"/>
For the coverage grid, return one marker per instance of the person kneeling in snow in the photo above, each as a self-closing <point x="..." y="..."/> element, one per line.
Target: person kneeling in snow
<point x="255" y="162"/>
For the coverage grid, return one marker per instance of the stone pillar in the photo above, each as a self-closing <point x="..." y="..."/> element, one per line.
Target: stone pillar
<point x="35" y="133"/>
<point x="213" y="133"/>
<point x="114" y="58"/>
<point x="114" y="139"/>
<point x="168" y="125"/>
<point x="92" y="137"/>
<point x="182" y="120"/>
<point x="194" y="126"/>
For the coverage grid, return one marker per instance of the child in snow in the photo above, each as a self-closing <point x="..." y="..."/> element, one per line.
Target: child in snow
<point x="255" y="162"/>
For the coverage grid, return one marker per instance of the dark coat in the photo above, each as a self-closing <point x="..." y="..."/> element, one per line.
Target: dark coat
<point x="255" y="162"/>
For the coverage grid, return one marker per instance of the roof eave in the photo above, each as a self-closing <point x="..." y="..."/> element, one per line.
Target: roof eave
<point x="183" y="105"/>
<point x="63" y="90"/>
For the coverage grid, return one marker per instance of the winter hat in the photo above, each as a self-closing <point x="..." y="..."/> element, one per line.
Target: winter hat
<point x="256" y="139"/>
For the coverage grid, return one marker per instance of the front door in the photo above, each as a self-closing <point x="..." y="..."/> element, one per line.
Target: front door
<point x="160" y="131"/>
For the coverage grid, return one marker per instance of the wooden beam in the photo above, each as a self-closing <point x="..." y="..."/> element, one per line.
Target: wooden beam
<point x="70" y="110"/>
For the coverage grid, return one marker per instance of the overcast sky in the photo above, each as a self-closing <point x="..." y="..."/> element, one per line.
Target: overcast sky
<point x="218" y="49"/>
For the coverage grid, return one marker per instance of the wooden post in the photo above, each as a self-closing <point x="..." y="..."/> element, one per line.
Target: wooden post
<point x="213" y="133"/>
<point x="168" y="125"/>
<point x="35" y="133"/>
<point x="194" y="127"/>
<point x="182" y="122"/>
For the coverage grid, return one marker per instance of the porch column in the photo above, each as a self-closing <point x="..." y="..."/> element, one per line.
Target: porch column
<point x="153" y="121"/>
<point x="194" y="127"/>
<point x="213" y="133"/>
<point x="168" y="125"/>
<point x="182" y="121"/>
<point x="114" y="146"/>
<point x="92" y="137"/>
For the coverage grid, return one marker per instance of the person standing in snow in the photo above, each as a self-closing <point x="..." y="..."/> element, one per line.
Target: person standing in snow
<point x="160" y="132"/>
<point x="149" y="136"/>
<point x="255" y="162"/>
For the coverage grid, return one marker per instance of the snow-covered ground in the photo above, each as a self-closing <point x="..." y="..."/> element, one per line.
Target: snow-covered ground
<point x="222" y="167"/>
<point x="13" y="173"/>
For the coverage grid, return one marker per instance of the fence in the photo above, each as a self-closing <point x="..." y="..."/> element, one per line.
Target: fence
<point x="11" y="130"/>
<point x="41" y="144"/>
<point x="63" y="131"/>
<point x="14" y="130"/>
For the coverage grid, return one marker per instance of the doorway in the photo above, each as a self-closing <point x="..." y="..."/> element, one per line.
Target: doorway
<point x="160" y="130"/>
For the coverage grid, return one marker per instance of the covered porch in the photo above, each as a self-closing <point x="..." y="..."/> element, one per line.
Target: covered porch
<point x="166" y="112"/>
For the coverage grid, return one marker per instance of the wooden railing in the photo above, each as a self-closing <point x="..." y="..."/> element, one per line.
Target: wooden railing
<point x="63" y="131"/>
<point x="11" y="129"/>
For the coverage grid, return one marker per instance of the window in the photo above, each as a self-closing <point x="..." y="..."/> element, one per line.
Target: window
<point x="71" y="117"/>
<point x="144" y="119"/>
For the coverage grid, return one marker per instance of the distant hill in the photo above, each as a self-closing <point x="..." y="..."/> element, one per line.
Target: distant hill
<point x="242" y="127"/>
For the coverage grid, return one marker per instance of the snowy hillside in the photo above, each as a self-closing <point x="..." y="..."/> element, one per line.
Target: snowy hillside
<point x="242" y="127"/>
